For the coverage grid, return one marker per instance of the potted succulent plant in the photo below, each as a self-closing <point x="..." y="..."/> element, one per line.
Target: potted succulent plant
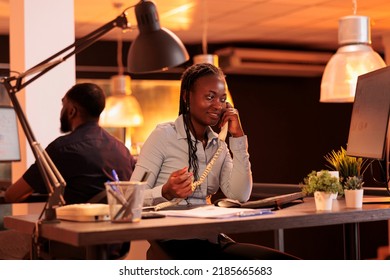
<point x="353" y="191"/>
<point x="322" y="185"/>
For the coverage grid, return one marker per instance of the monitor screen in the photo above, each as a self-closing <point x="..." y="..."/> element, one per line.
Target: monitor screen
<point x="9" y="137"/>
<point x="370" y="115"/>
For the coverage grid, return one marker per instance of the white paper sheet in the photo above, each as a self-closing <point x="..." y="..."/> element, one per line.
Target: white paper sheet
<point x="214" y="212"/>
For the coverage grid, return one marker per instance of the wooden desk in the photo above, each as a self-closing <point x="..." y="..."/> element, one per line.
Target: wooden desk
<point x="91" y="235"/>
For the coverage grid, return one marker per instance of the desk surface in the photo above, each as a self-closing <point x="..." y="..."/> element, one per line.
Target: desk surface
<point x="297" y="216"/>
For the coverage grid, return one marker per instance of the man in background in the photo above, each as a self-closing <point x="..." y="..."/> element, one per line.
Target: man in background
<point x="85" y="156"/>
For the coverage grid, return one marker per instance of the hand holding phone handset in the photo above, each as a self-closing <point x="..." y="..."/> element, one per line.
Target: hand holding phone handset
<point x="222" y="136"/>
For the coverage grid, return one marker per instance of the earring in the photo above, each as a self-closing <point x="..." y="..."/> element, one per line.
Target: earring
<point x="188" y="108"/>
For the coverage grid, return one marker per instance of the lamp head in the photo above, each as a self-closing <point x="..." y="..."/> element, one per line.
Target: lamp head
<point x="155" y="48"/>
<point x="355" y="57"/>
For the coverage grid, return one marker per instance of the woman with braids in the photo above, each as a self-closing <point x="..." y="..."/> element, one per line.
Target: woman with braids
<point x="177" y="153"/>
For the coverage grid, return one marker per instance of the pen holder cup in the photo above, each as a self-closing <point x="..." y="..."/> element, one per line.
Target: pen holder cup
<point x="125" y="200"/>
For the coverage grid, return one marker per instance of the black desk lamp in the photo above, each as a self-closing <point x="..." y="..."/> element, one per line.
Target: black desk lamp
<point x="155" y="49"/>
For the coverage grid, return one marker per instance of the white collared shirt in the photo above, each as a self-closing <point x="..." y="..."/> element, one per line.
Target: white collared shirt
<point x="166" y="151"/>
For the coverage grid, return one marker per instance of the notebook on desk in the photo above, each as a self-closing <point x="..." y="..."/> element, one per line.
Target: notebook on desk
<point x="275" y="201"/>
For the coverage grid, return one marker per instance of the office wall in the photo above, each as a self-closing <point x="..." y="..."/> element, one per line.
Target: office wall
<point x="288" y="129"/>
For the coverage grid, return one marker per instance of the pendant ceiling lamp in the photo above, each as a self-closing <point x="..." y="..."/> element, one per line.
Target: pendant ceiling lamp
<point x="209" y="58"/>
<point x="354" y="57"/>
<point x="122" y="108"/>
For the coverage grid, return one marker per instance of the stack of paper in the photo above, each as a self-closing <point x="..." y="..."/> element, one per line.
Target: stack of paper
<point x="214" y="212"/>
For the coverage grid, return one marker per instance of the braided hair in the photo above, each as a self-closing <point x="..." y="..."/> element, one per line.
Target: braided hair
<point x="188" y="80"/>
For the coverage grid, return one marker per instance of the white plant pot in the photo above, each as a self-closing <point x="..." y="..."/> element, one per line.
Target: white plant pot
<point x="354" y="198"/>
<point x="323" y="201"/>
<point x="334" y="195"/>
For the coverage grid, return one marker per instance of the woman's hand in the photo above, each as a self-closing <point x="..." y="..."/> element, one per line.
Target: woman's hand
<point x="178" y="185"/>
<point x="234" y="125"/>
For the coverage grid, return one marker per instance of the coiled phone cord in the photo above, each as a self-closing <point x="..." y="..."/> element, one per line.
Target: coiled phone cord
<point x="176" y="201"/>
<point x="195" y="184"/>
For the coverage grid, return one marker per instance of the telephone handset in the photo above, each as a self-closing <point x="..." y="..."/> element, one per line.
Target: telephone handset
<point x="221" y="136"/>
<point x="223" y="133"/>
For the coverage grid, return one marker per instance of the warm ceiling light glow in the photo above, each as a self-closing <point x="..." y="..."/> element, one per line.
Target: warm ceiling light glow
<point x="181" y="9"/>
<point x="179" y="18"/>
<point x="122" y="108"/>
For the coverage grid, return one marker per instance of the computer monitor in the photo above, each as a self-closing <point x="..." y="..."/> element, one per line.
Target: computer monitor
<point x="9" y="136"/>
<point x="370" y="115"/>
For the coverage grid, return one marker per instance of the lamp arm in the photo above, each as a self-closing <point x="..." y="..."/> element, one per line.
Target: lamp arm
<point x="52" y="178"/>
<point x="78" y="46"/>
